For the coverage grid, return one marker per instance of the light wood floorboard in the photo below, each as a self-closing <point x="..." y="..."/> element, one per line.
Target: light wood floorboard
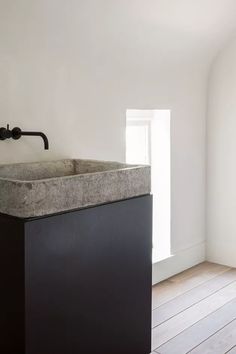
<point x="179" y="284"/>
<point x="191" y="297"/>
<point x="221" y="342"/>
<point x="201" y="331"/>
<point x="195" y="311"/>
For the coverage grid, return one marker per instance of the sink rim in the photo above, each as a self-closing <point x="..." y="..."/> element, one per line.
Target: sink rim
<point x="31" y="198"/>
<point x="120" y="167"/>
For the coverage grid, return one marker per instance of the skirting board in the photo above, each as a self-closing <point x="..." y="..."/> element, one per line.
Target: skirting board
<point x="178" y="262"/>
<point x="221" y="253"/>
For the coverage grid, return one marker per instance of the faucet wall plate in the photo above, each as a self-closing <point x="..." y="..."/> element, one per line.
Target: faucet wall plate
<point x="16" y="133"/>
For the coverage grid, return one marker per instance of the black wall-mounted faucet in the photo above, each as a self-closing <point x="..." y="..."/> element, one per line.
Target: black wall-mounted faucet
<point x="17" y="133"/>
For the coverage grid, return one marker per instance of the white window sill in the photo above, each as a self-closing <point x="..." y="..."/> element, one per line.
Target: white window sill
<point x="158" y="257"/>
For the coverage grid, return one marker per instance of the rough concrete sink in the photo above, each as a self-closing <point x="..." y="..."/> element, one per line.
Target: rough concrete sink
<point x="43" y="188"/>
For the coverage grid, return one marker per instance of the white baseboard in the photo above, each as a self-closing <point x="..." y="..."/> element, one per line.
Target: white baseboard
<point x="221" y="252"/>
<point x="178" y="262"/>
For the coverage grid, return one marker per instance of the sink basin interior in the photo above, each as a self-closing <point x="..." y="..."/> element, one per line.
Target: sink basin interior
<point x="54" y="169"/>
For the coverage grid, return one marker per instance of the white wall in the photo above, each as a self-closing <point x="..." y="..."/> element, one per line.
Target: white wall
<point x="72" y="68"/>
<point x="221" y="184"/>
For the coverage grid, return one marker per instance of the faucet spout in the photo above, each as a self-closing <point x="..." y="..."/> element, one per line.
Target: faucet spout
<point x="42" y="135"/>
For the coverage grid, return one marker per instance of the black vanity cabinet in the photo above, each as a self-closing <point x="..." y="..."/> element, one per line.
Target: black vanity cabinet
<point x="78" y="282"/>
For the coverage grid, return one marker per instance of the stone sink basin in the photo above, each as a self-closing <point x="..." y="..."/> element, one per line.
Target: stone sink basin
<point x="43" y="188"/>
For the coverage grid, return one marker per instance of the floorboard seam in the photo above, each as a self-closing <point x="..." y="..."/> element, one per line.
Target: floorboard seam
<point x="234" y="347"/>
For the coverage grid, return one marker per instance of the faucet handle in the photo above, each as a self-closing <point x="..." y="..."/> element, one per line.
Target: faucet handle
<point x="3" y="133"/>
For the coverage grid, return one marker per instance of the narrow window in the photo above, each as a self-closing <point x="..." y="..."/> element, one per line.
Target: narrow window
<point x="148" y="142"/>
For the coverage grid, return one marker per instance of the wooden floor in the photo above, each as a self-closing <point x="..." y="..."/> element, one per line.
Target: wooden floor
<point x="195" y="312"/>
